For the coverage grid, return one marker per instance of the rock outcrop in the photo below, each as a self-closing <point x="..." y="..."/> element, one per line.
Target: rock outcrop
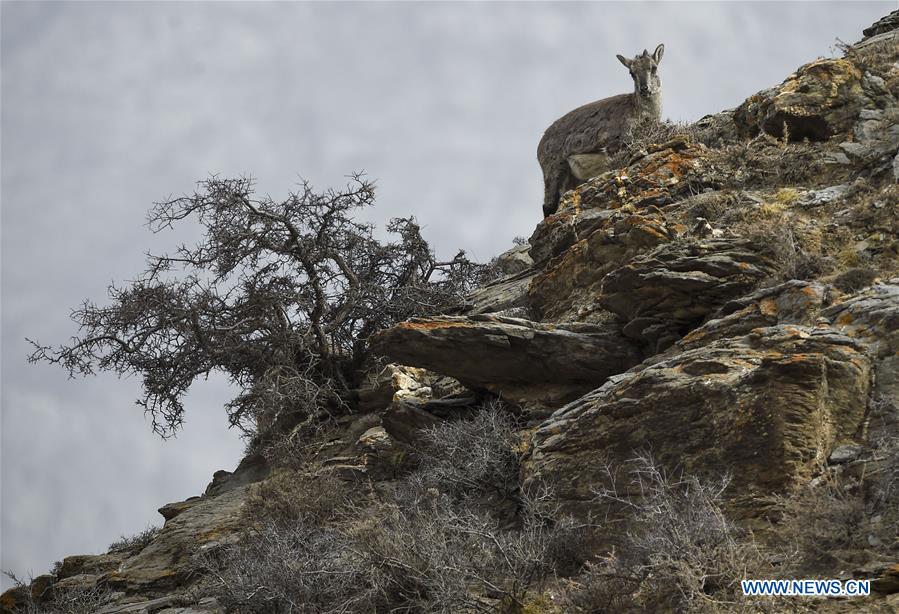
<point x="819" y="100"/>
<point x="662" y="294"/>
<point x="527" y="363"/>
<point x="766" y="407"/>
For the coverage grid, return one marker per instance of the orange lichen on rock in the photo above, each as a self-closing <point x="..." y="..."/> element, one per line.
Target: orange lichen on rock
<point x="845" y="318"/>
<point x="767" y="306"/>
<point x="433" y="324"/>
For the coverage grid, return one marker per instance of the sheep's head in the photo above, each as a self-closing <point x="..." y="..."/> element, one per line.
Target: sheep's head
<point x="644" y="71"/>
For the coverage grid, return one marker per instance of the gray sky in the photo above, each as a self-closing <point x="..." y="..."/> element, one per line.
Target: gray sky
<point x="107" y="107"/>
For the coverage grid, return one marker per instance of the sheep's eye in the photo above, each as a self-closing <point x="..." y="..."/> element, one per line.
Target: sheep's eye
<point x="653" y="70"/>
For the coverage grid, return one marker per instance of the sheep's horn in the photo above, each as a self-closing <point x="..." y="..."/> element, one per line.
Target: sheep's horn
<point x="645" y="53"/>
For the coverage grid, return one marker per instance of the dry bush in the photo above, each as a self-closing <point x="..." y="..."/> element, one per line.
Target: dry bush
<point x="648" y="131"/>
<point x="289" y="496"/>
<point x="823" y="523"/>
<point x="678" y="551"/>
<point x="297" y="567"/>
<point x="433" y="557"/>
<point x="766" y="161"/>
<point x="840" y="521"/>
<point x="470" y="457"/>
<point x="854" y="279"/>
<point x="711" y="206"/>
<point x="882" y="494"/>
<point x="878" y="58"/>
<point x="462" y="559"/>
<point x="136" y="542"/>
<point x="70" y="601"/>
<point x="771" y="227"/>
<point x="432" y="543"/>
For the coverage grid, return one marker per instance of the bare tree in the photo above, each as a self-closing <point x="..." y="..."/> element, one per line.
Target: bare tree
<point x="280" y="296"/>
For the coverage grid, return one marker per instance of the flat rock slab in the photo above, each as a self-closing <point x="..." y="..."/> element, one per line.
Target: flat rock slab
<point x="793" y="302"/>
<point x="765" y="407"/>
<point x="519" y="359"/>
<point x="871" y="315"/>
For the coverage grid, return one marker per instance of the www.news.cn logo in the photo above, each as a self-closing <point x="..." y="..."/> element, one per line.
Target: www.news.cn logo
<point x="807" y="588"/>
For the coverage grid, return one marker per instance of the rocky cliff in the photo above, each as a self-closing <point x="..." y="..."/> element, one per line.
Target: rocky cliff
<point x="726" y="300"/>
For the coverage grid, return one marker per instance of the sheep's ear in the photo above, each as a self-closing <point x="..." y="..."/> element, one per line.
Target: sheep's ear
<point x="658" y="53"/>
<point x="624" y="60"/>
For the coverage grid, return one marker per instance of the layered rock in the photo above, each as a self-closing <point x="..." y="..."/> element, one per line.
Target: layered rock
<point x="765" y="407"/>
<point x="793" y="302"/>
<point x="663" y="293"/>
<point x="872" y="317"/>
<point x="821" y="99"/>
<point x="658" y="176"/>
<point x="527" y="363"/>
<point x="509" y="293"/>
<point x="505" y="295"/>
<point x="569" y="286"/>
<point x="886" y="23"/>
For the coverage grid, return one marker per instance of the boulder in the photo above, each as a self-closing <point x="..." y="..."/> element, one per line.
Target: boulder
<point x="163" y="564"/>
<point x="404" y="419"/>
<point x="530" y="364"/>
<point x="394" y="382"/>
<point x="15" y="598"/>
<point x="766" y="407"/>
<point x="569" y="285"/>
<point x="884" y="576"/>
<point x="662" y="294"/>
<point x="557" y="232"/>
<point x="94" y="564"/>
<point x="821" y="99"/>
<point x="515" y="260"/>
<point x="875" y="137"/>
<point x="792" y="302"/>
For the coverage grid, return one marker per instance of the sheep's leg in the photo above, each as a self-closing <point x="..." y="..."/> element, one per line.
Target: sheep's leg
<point x="554" y="183"/>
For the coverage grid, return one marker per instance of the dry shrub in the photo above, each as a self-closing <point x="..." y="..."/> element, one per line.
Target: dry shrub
<point x="823" y="523"/>
<point x="678" y="551"/>
<point x="878" y="58"/>
<point x="766" y="161"/>
<point x="432" y="542"/>
<point x="287" y="567"/>
<point x="844" y="518"/>
<point x="470" y="457"/>
<point x="136" y="542"/>
<point x="711" y="206"/>
<point x="289" y="496"/>
<point x="86" y="600"/>
<point x="648" y="131"/>
<point x="854" y="279"/>
<point x="772" y="228"/>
